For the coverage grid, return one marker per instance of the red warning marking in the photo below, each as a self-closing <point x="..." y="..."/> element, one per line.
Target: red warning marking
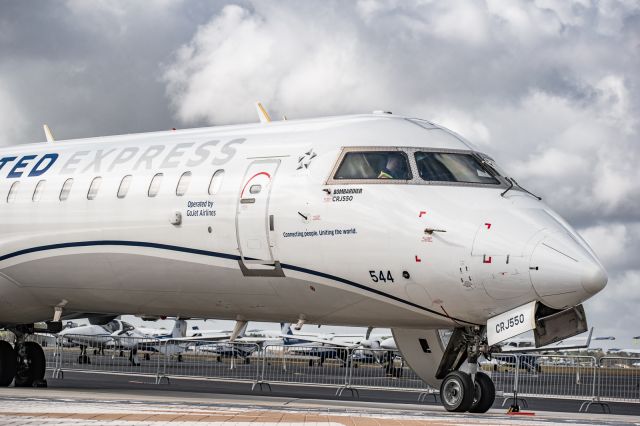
<point x="521" y="413"/>
<point x="486" y="259"/>
<point x="418" y="259"/>
<point x="422" y="213"/>
<point x="252" y="177"/>
<point x="488" y="225"/>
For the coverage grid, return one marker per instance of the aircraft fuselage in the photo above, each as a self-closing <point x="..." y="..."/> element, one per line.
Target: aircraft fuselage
<point x="275" y="236"/>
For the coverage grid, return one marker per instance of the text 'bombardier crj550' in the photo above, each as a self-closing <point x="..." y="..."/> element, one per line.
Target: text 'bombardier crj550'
<point x="370" y="220"/>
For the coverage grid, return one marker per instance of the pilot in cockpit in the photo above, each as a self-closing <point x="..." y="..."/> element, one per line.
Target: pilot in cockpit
<point x="394" y="169"/>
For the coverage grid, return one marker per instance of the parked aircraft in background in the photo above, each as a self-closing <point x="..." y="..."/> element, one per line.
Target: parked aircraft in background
<point x="122" y="335"/>
<point x="368" y="220"/>
<point x="572" y="344"/>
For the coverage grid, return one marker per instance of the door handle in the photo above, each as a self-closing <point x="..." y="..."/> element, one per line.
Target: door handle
<point x="271" y="225"/>
<point x="430" y="231"/>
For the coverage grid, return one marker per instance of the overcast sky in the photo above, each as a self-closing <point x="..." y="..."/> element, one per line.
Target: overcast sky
<point x="550" y="88"/>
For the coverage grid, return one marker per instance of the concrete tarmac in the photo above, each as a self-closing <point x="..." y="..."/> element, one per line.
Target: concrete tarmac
<point x="97" y="399"/>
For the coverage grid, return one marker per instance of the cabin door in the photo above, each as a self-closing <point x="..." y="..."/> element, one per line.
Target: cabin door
<point x="254" y="223"/>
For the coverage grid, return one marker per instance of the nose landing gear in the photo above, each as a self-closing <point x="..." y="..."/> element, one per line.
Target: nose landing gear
<point x="459" y="393"/>
<point x="452" y="367"/>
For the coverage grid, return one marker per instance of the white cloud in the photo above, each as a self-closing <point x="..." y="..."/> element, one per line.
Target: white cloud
<point x="529" y="82"/>
<point x="614" y="311"/>
<point x="616" y="244"/>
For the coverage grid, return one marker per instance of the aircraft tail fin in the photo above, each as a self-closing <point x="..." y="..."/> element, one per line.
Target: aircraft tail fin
<point x="179" y="328"/>
<point x="285" y="330"/>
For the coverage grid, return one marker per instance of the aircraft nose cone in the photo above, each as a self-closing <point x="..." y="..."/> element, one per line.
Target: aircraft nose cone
<point x="563" y="272"/>
<point x="594" y="278"/>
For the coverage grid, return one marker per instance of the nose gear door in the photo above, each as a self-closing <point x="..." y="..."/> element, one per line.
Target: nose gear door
<point x="254" y="224"/>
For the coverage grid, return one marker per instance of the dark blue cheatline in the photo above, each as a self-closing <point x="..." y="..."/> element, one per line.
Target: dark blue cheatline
<point x="219" y="255"/>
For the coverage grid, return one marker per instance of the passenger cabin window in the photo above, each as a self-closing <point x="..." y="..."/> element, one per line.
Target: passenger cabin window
<point x="183" y="184"/>
<point x="93" y="188"/>
<point x="37" y="192"/>
<point x="453" y="167"/>
<point x="125" y="183"/>
<point x="154" y="186"/>
<point x="66" y="189"/>
<point x="374" y="165"/>
<point x="13" y="191"/>
<point x="216" y="182"/>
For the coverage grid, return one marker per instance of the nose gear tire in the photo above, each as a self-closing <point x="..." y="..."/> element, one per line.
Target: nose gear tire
<point x="8" y="363"/>
<point x="457" y="391"/>
<point x="484" y="394"/>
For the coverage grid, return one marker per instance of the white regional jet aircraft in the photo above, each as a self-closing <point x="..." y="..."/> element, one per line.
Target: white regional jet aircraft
<point x="368" y="220"/>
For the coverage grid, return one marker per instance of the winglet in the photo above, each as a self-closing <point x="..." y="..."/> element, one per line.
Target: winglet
<point x="48" y="134"/>
<point x="262" y="113"/>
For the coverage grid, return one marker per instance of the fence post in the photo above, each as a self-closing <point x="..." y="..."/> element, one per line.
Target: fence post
<point x="515" y="407"/>
<point x="347" y="374"/>
<point x="260" y="371"/>
<point x="595" y="399"/>
<point x="57" y="355"/>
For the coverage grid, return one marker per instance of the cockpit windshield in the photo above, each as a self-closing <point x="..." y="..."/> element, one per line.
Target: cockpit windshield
<point x="114" y="325"/>
<point x="111" y="326"/>
<point x="374" y="165"/>
<point x="453" y="167"/>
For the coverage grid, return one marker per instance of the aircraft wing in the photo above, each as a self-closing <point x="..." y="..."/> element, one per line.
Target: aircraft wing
<point x="558" y="346"/>
<point x="313" y="339"/>
<point x="221" y="338"/>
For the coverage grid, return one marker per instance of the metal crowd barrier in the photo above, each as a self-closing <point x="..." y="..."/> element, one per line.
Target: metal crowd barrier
<point x="238" y="362"/>
<point x="557" y="376"/>
<point x="109" y="354"/>
<point x="618" y="380"/>
<point x="503" y="370"/>
<point x="516" y="376"/>
<point x="384" y="369"/>
<point x="305" y="365"/>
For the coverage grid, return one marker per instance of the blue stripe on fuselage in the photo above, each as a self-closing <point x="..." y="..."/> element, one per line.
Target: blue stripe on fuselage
<point x="219" y="255"/>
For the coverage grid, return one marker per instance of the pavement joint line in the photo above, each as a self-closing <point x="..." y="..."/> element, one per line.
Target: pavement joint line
<point x="251" y="415"/>
<point x="287" y="405"/>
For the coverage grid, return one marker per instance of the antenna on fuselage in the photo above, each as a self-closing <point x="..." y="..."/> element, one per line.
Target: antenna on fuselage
<point x="47" y="133"/>
<point x="262" y="113"/>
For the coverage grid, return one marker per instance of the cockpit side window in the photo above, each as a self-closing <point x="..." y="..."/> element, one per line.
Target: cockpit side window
<point x="111" y="326"/>
<point x="374" y="165"/>
<point x="453" y="167"/>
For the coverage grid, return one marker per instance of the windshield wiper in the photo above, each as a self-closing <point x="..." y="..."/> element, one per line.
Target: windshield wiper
<point x="509" y="188"/>
<point x="513" y="182"/>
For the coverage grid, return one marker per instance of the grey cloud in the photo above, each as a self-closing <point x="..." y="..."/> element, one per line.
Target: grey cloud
<point x="91" y="68"/>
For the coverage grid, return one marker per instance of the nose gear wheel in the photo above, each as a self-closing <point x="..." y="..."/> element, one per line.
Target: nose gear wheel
<point x="457" y="391"/>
